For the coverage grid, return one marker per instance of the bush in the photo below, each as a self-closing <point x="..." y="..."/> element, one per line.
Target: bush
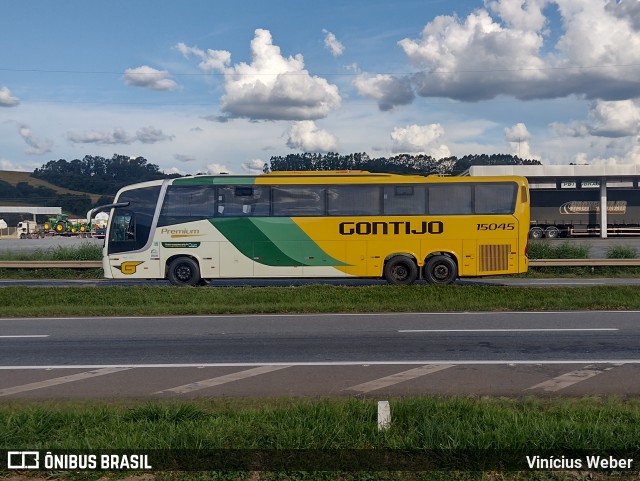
<point x="621" y="252"/>
<point x="566" y="250"/>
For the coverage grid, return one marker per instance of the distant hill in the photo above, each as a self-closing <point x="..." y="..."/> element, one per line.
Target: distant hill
<point x="77" y="185"/>
<point x="14" y="178"/>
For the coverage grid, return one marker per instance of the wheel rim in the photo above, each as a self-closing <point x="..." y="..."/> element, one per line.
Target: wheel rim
<point x="183" y="273"/>
<point x="440" y="272"/>
<point x="401" y="273"/>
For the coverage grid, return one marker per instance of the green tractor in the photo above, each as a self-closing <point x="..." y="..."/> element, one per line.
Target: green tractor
<point x="58" y="225"/>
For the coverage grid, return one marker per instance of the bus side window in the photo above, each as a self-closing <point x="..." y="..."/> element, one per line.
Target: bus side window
<point x="347" y="200"/>
<point x="450" y="199"/>
<point x="495" y="198"/>
<point x="187" y="203"/>
<point x="404" y="200"/>
<point x="243" y="200"/>
<point x="123" y="226"/>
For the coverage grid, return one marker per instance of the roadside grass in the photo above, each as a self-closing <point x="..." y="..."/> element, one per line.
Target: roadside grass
<point x="622" y="252"/>
<point x="459" y="432"/>
<point x="83" y="252"/>
<point x="566" y="250"/>
<point x="167" y="300"/>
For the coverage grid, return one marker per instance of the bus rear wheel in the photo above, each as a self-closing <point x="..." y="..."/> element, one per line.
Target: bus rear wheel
<point x="183" y="271"/>
<point x="400" y="270"/>
<point x="440" y="269"/>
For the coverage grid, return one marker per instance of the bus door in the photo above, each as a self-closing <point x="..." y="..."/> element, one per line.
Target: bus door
<point x="128" y="235"/>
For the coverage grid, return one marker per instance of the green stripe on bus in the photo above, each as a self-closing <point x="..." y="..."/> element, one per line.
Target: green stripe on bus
<point x="273" y="242"/>
<point x="221" y="180"/>
<point x="294" y="242"/>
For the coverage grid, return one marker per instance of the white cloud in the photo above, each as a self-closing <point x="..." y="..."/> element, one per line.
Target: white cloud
<point x="211" y="59"/>
<point x="151" y="135"/>
<point x="517" y="133"/>
<point x="388" y="90"/>
<point x="520" y="14"/>
<point x="518" y="137"/>
<point x="613" y="119"/>
<point x="628" y="10"/>
<point x="254" y="166"/>
<point x="306" y="136"/>
<point x="271" y="87"/>
<point x="36" y="145"/>
<point x="506" y="49"/>
<point x="420" y="139"/>
<point x="215" y="169"/>
<point x="8" y="165"/>
<point x="6" y="99"/>
<point x="184" y="158"/>
<point x="146" y="135"/>
<point x="149" y="78"/>
<point x="333" y="44"/>
<point x="632" y="156"/>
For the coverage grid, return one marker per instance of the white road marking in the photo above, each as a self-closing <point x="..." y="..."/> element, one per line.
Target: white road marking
<point x="24" y="335"/>
<point x="569" y="379"/>
<point x="326" y="314"/>
<point x="60" y="380"/>
<point x="398" y="378"/>
<point x="217" y="381"/>
<point x="598" y="329"/>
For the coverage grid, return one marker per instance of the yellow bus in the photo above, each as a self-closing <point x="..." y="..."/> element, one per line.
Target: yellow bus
<point x="318" y="224"/>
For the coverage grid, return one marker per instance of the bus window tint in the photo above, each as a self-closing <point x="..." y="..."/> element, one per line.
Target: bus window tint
<point x="354" y="200"/>
<point x="187" y="203"/>
<point x="242" y="200"/>
<point x="298" y="200"/>
<point x="495" y="198"/>
<point x="450" y="199"/>
<point x="131" y="225"/>
<point x="404" y="200"/>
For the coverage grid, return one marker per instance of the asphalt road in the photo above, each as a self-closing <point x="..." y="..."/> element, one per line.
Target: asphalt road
<point x="363" y="354"/>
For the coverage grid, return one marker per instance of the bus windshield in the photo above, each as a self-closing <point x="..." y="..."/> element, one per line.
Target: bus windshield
<point x="131" y="225"/>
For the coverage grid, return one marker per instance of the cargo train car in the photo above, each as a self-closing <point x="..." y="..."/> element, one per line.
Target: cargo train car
<point x="576" y="212"/>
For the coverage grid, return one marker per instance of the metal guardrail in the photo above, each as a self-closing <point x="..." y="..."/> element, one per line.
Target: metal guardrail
<point x="532" y="263"/>
<point x="584" y="262"/>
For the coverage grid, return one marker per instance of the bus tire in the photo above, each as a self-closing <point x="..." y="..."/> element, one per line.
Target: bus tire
<point x="183" y="271"/>
<point x="400" y="270"/>
<point x="440" y="269"/>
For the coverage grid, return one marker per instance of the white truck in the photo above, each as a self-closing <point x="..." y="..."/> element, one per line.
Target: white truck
<point x="29" y="229"/>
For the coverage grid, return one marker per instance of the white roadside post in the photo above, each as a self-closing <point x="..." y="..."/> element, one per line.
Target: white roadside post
<point x="384" y="415"/>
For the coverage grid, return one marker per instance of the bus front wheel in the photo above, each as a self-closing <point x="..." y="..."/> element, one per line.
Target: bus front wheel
<point x="440" y="269"/>
<point x="400" y="270"/>
<point x="183" y="271"/>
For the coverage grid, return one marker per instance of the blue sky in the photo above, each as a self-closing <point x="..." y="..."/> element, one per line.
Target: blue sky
<point x="202" y="86"/>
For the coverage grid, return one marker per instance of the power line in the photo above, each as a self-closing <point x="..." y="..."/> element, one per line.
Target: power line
<point x="338" y="74"/>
